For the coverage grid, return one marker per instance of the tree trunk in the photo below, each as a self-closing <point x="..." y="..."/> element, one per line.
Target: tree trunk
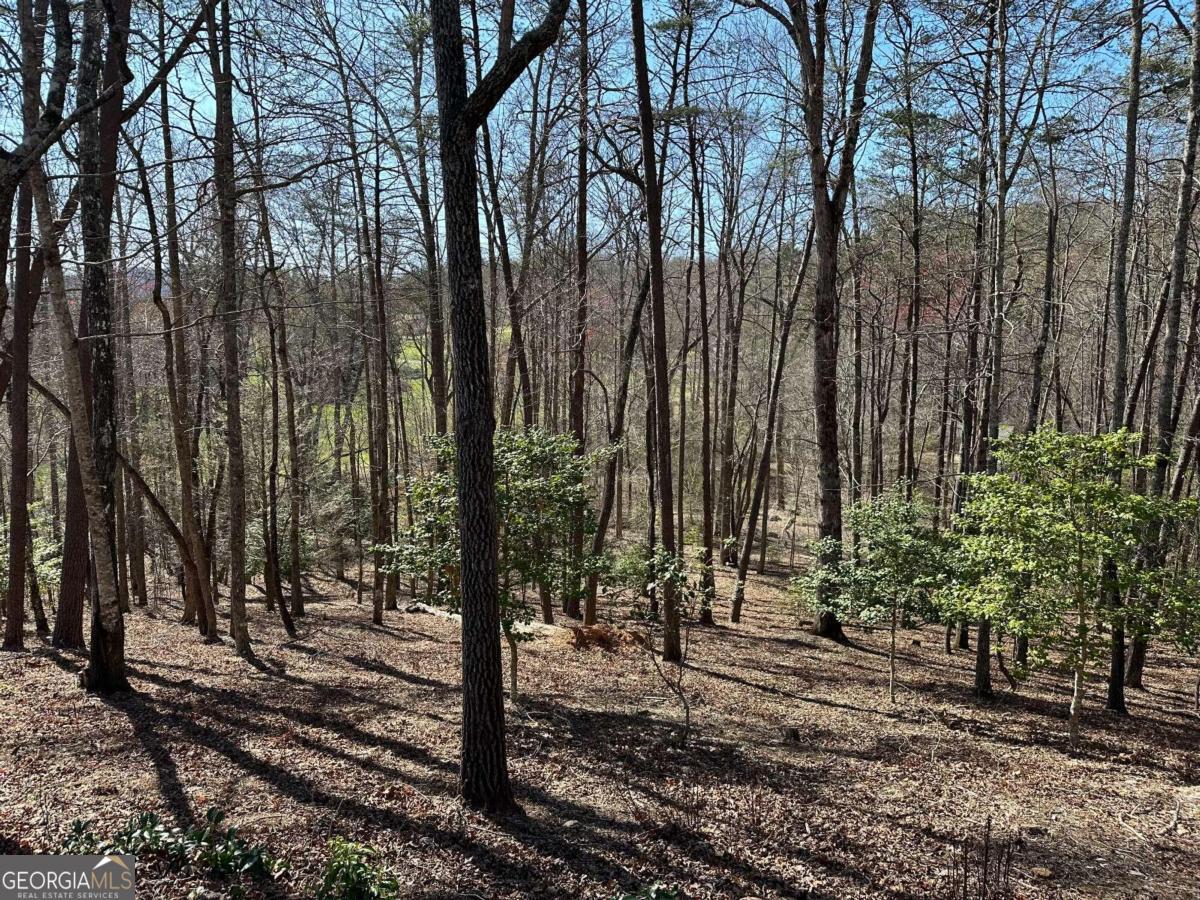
<point x="271" y="506"/>
<point x="198" y="605"/>
<point x="983" y="660"/>
<point x="18" y="423"/>
<point x="830" y="192"/>
<point x="571" y="596"/>
<point x="40" y="623"/>
<point x="708" y="590"/>
<point x="135" y="524"/>
<point x="96" y="441"/>
<point x="672" y="649"/>
<point x="228" y="305"/>
<point x="483" y="774"/>
<point x="72" y="582"/>
<point x="617" y="432"/>
<point x="829" y="475"/>
<point x="1166" y="419"/>
<point x="282" y="367"/>
<point x="106" y="668"/>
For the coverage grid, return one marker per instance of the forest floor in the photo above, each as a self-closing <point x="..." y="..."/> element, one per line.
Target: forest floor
<point x="799" y="779"/>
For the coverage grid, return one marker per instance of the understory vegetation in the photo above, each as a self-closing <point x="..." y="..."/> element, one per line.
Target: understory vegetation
<point x="1049" y="550"/>
<point x="650" y="449"/>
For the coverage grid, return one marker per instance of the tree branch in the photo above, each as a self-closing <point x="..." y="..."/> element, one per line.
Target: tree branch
<point x="138" y="480"/>
<point x="510" y="65"/>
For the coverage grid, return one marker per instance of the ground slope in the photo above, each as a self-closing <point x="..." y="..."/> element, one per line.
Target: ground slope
<point x="799" y="778"/>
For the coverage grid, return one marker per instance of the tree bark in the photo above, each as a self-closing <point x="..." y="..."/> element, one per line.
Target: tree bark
<point x="672" y="648"/>
<point x="106" y="668"/>
<point x="18" y="423"/>
<point x="571" y="598"/>
<point x="483" y="774"/>
<point x="72" y="582"/>
<point x="228" y="307"/>
<point x="708" y="589"/>
<point x="1115" y="698"/>
<point x="830" y="188"/>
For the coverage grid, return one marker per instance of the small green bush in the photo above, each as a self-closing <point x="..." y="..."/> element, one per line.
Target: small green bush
<point x="350" y="874"/>
<point x="214" y="849"/>
<point x="628" y="569"/>
<point x="543" y="490"/>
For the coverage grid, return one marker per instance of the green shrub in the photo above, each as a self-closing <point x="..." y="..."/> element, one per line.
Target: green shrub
<point x="542" y="491"/>
<point x="628" y="569"/>
<point x="899" y="562"/>
<point x="81" y="840"/>
<point x="350" y="874"/>
<point x="1042" y="544"/>
<point x="214" y="849"/>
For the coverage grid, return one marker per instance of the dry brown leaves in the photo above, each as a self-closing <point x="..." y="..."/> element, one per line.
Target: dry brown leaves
<point x="800" y="779"/>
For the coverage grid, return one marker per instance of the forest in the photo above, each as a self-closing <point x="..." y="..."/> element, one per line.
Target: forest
<point x="580" y="448"/>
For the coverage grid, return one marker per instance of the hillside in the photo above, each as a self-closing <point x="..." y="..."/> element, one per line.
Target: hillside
<point x="799" y="778"/>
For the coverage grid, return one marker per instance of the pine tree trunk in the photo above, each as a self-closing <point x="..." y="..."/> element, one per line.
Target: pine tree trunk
<point x="483" y="774"/>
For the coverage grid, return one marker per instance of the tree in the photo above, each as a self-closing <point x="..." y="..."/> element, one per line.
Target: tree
<point x="1120" y="290"/>
<point x="809" y="30"/>
<point x="219" y="55"/>
<point x="1043" y="541"/>
<point x="899" y="561"/>
<point x="484" y="768"/>
<point x="672" y="649"/>
<point x="541" y="493"/>
<point x="106" y="667"/>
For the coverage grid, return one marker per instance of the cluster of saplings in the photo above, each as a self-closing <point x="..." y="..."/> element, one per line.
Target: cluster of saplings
<point x="542" y="493"/>
<point x="1058" y="548"/>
